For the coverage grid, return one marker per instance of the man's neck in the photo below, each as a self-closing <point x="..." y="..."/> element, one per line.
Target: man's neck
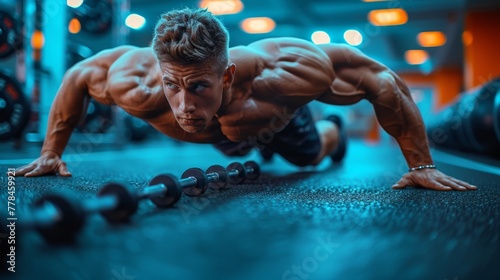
<point x="226" y="100"/>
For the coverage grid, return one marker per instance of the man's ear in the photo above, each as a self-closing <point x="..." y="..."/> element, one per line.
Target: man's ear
<point x="228" y="76"/>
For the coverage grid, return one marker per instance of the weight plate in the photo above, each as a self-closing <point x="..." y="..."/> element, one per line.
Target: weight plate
<point x="95" y="16"/>
<point x="127" y="205"/>
<point x="255" y="170"/>
<point x="201" y="182"/>
<point x="173" y="190"/>
<point x="70" y="221"/>
<point x="223" y="178"/>
<point x="15" y="110"/>
<point x="238" y="179"/>
<point x="10" y="39"/>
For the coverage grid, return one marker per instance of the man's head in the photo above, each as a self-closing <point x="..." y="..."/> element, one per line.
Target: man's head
<point x="192" y="46"/>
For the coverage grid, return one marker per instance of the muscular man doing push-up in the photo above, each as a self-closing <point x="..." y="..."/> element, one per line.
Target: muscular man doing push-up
<point x="190" y="86"/>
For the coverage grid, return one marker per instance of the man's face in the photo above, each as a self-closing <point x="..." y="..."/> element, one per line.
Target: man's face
<point x="194" y="93"/>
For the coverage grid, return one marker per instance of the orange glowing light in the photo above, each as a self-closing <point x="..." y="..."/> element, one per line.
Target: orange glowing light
<point x="431" y="39"/>
<point x="386" y="17"/>
<point x="37" y="39"/>
<point x="415" y="57"/>
<point x="467" y="38"/>
<point x="258" y="25"/>
<point x="74" y="26"/>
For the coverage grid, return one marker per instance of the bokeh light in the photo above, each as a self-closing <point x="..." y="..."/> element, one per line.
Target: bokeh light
<point x="353" y="37"/>
<point x="74" y="26"/>
<point x="135" y="21"/>
<point x="258" y="25"/>
<point x="74" y="3"/>
<point x="320" y="37"/>
<point x="37" y="40"/>
<point x="415" y="57"/>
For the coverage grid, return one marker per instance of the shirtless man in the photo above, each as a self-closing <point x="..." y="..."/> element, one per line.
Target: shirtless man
<point x="190" y="86"/>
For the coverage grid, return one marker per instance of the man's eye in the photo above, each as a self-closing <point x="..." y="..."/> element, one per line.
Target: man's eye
<point x="171" y="86"/>
<point x="199" y="87"/>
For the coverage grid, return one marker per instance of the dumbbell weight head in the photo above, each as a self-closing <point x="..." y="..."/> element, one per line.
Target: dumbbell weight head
<point x="255" y="170"/>
<point x="242" y="174"/>
<point x="173" y="190"/>
<point x="127" y="204"/>
<point x="72" y="219"/>
<point x="223" y="177"/>
<point x="201" y="182"/>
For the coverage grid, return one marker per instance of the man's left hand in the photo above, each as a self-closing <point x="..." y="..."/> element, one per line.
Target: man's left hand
<point x="432" y="179"/>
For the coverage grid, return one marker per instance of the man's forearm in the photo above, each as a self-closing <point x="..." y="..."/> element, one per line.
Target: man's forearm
<point x="400" y="117"/>
<point x="65" y="113"/>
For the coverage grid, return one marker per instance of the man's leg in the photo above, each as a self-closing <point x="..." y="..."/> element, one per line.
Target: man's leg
<point x="306" y="142"/>
<point x="333" y="138"/>
<point x="329" y="137"/>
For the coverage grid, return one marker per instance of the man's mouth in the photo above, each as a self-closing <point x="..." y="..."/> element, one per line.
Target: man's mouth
<point x="190" y="121"/>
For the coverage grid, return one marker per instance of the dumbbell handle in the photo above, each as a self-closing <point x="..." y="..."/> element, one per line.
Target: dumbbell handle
<point x="234" y="172"/>
<point x="191" y="181"/>
<point x="152" y="191"/>
<point x="110" y="201"/>
<point x="100" y="203"/>
<point x="187" y="182"/>
<point x="44" y="216"/>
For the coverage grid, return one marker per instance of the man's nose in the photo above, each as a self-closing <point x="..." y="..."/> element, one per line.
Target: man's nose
<point x="186" y="104"/>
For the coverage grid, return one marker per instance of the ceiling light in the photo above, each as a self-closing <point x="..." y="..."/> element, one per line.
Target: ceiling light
<point x="258" y="25"/>
<point x="135" y="21"/>
<point x="431" y="39"/>
<point x="320" y="37"/>
<point x="353" y="37"/>
<point x="415" y="57"/>
<point x="74" y="3"/>
<point x="222" y="7"/>
<point x="386" y="17"/>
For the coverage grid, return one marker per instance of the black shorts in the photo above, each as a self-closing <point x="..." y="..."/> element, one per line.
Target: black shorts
<point x="298" y="142"/>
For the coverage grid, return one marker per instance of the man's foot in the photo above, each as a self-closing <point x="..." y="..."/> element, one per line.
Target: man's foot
<point x="338" y="154"/>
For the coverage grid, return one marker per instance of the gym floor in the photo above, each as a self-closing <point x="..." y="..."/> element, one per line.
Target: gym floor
<point x="328" y="222"/>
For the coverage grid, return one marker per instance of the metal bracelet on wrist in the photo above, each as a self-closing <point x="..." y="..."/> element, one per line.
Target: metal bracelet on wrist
<point x="428" y="166"/>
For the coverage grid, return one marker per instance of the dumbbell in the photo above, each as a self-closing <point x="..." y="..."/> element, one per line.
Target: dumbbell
<point x="195" y="181"/>
<point x="59" y="217"/>
<point x="116" y="201"/>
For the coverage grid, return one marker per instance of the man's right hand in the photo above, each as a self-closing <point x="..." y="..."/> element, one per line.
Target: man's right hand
<point x="49" y="163"/>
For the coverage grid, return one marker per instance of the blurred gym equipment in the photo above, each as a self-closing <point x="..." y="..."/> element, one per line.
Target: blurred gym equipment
<point x="15" y="109"/>
<point x="95" y="15"/>
<point x="10" y="39"/>
<point x="472" y="123"/>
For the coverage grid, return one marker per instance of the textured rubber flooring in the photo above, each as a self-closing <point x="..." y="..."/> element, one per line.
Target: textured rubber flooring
<point x="328" y="222"/>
